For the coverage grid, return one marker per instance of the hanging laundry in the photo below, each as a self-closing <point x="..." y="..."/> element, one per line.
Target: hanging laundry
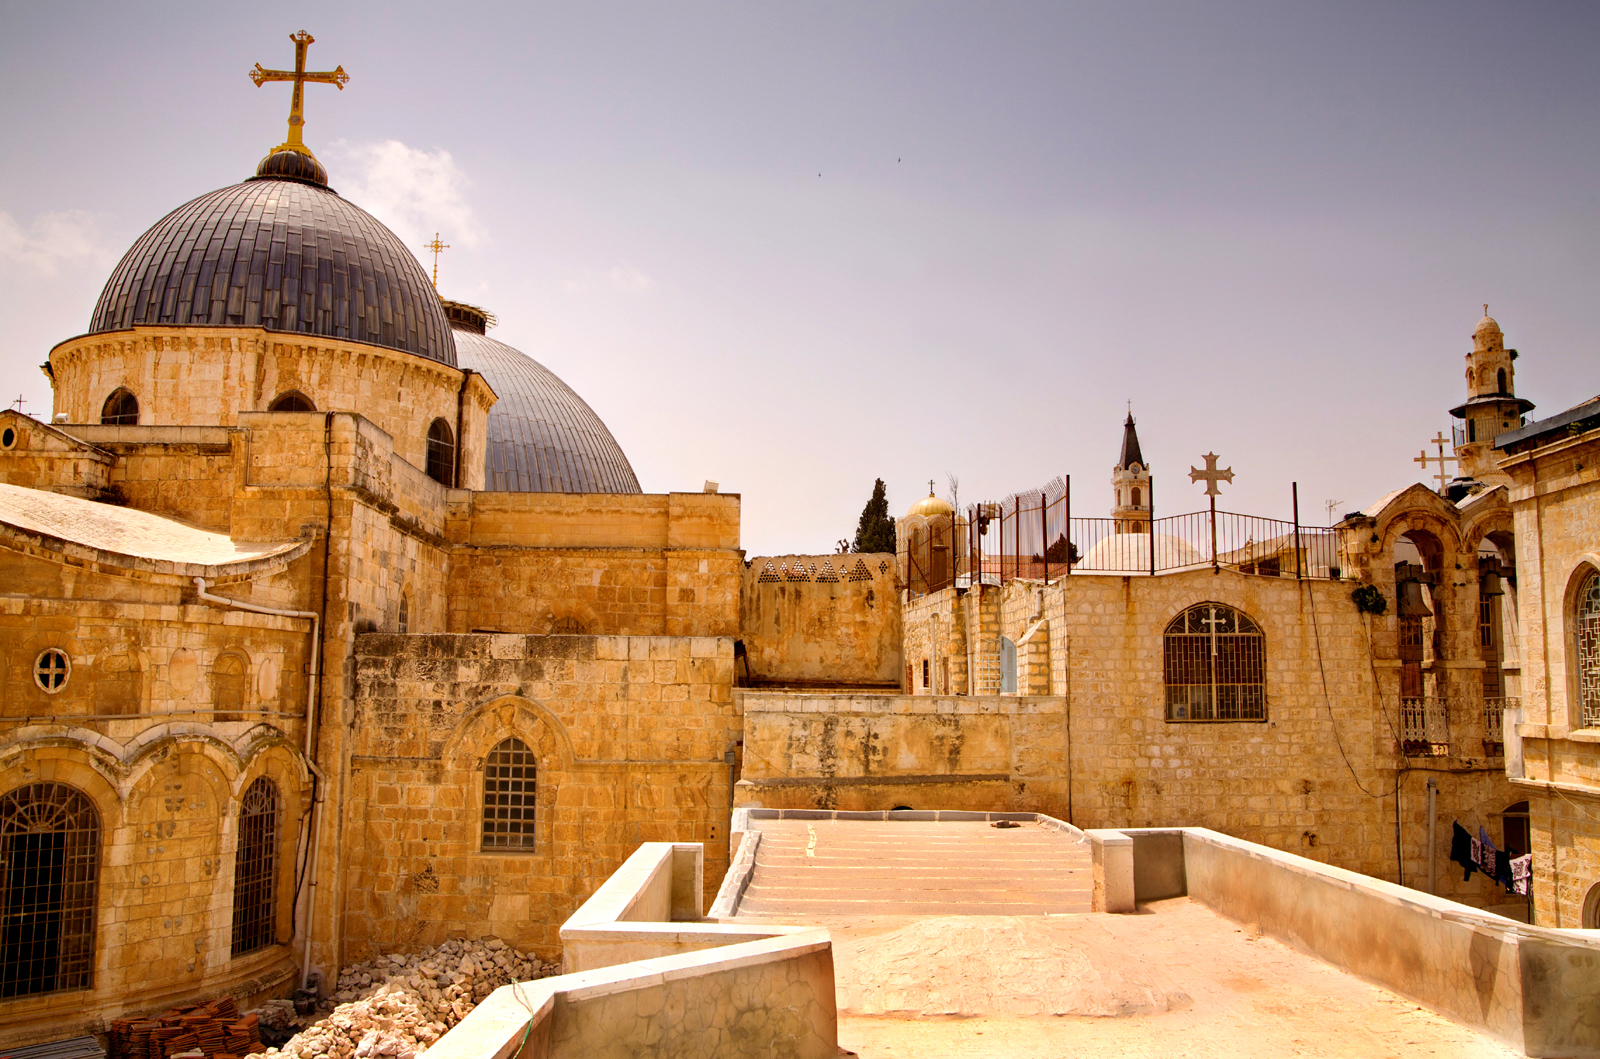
<point x="1522" y="873"/>
<point x="1461" y="851"/>
<point x="1487" y="854"/>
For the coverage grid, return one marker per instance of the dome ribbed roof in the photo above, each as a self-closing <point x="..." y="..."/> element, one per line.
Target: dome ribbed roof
<point x="283" y="254"/>
<point x="543" y="438"/>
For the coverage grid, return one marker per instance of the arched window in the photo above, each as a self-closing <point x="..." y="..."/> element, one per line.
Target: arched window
<point x="1215" y="664"/>
<point x="49" y="870"/>
<point x="120" y="410"/>
<point x="1501" y="378"/>
<point x="568" y="626"/>
<point x="255" y="869"/>
<point x="291" y="401"/>
<point x="1138" y="496"/>
<point x="228" y="687"/>
<point x="1588" y="629"/>
<point x="402" y="622"/>
<point x="508" y="796"/>
<point x="441" y="453"/>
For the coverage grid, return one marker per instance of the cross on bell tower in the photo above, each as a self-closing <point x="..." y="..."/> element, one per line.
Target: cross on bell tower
<point x="299" y="75"/>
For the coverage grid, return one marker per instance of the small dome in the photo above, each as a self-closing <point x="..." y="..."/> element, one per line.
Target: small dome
<point x="1486" y="326"/>
<point x="543" y="438"/>
<point x="282" y="252"/>
<point x="1130" y="553"/>
<point x="931" y="506"/>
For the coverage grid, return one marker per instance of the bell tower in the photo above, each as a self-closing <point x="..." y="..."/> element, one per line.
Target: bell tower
<point x="1492" y="405"/>
<point x="1130" y="484"/>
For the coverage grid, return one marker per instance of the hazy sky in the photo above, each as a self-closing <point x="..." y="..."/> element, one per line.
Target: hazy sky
<point x="796" y="247"/>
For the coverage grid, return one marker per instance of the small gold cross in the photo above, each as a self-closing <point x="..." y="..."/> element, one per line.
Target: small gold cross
<point x="436" y="246"/>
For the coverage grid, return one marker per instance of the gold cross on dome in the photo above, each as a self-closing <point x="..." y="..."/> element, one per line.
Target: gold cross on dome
<point x="336" y="77"/>
<point x="1211" y="476"/>
<point x="436" y="246"/>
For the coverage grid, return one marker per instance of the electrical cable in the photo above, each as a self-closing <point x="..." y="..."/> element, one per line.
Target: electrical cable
<point x="1327" y="702"/>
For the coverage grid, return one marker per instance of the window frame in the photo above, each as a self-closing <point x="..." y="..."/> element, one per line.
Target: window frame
<point x="1586" y="683"/>
<point x="256" y="912"/>
<point x="1248" y="639"/>
<point x="114" y="419"/>
<point x="440" y="453"/>
<point x="80" y="854"/>
<point x="523" y="813"/>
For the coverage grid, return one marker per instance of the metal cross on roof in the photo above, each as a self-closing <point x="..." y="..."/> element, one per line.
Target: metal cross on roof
<point x="336" y="77"/>
<point x="1441" y="460"/>
<point x="436" y="246"/>
<point x="1211" y="476"/>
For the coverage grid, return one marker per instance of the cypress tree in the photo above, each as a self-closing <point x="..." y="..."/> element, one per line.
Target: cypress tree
<point x="875" y="531"/>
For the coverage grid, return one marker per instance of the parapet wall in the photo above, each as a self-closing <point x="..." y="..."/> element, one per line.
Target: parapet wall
<point x="831" y="619"/>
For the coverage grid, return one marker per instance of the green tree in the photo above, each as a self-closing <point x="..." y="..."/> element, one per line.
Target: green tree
<point x="875" y="531"/>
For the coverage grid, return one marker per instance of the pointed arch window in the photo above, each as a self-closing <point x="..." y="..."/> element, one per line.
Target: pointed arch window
<point x="255" y="869"/>
<point x="441" y="453"/>
<point x="49" y="877"/>
<point x="509" y="796"/>
<point x="1588" y="630"/>
<point x="121" y="409"/>
<point x="1215" y="666"/>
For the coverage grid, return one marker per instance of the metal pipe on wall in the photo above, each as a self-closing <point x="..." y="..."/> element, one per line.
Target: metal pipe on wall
<point x="1433" y="795"/>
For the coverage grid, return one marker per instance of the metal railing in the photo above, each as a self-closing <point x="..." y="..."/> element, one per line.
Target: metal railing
<point x="1424" y="727"/>
<point x="1494" y="710"/>
<point x="1033" y="535"/>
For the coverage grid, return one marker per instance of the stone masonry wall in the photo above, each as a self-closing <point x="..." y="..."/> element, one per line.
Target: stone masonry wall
<point x="821" y="618"/>
<point x="629" y="734"/>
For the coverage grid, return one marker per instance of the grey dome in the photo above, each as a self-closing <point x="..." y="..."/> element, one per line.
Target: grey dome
<point x="280" y="253"/>
<point x="543" y="438"/>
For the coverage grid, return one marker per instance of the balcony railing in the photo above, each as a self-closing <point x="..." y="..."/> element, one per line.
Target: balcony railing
<point x="1494" y="711"/>
<point x="1424" y="727"/>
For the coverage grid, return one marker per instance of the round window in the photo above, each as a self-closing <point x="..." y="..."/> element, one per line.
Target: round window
<point x="8" y="438"/>
<point x="50" y="671"/>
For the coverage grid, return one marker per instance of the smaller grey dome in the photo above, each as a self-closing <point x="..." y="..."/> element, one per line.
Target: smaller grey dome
<point x="543" y="438"/>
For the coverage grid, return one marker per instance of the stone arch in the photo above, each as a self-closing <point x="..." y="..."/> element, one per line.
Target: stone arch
<point x="80" y="767"/>
<point x="1591" y="909"/>
<point x="272" y="756"/>
<point x="292" y="401"/>
<point x="230" y="685"/>
<point x="528" y="719"/>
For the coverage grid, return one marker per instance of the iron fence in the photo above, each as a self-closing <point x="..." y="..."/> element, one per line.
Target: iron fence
<point x="1494" y="711"/>
<point x="1033" y="535"/>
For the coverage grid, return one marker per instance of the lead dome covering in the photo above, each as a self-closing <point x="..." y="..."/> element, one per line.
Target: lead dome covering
<point x="284" y="254"/>
<point x="543" y="437"/>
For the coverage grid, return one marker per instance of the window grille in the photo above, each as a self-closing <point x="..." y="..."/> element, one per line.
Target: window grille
<point x="49" y="869"/>
<point x="227" y="687"/>
<point x="291" y="401"/>
<point x="567" y="627"/>
<point x="120" y="410"/>
<point x="50" y="670"/>
<point x="1215" y="666"/>
<point x="1589" y="651"/>
<point x="403" y="620"/>
<point x="441" y="453"/>
<point x="255" y="869"/>
<point x="509" y="796"/>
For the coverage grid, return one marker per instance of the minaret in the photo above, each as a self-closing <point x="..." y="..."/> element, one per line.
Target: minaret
<point x="1130" y="484"/>
<point x="1492" y="404"/>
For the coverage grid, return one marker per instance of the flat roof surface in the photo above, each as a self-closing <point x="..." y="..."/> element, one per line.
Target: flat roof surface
<point x="980" y="978"/>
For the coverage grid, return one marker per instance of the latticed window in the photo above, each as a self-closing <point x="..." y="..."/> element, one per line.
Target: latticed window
<point x="1589" y="651"/>
<point x="1215" y="664"/>
<point x="49" y="870"/>
<point x="255" y="869"/>
<point x="508" y="796"/>
<point x="441" y="453"/>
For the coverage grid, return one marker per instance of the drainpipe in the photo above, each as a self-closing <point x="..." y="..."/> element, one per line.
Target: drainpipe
<point x="461" y="414"/>
<point x="312" y="685"/>
<point x="1433" y="794"/>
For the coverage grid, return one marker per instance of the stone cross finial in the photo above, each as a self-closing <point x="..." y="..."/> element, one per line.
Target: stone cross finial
<point x="1441" y="459"/>
<point x="1211" y="476"/>
<point x="299" y="75"/>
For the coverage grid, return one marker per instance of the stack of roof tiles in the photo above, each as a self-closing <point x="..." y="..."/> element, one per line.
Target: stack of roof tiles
<point x="214" y="1031"/>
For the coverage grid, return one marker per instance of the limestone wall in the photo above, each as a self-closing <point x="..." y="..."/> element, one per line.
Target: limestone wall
<point x="821" y="618"/>
<point x="1556" y="499"/>
<point x="920" y="751"/>
<point x="203" y="376"/>
<point x="605" y="564"/>
<point x="629" y="733"/>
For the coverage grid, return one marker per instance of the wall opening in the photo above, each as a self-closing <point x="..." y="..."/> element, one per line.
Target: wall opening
<point x="255" y="869"/>
<point x="49" y="873"/>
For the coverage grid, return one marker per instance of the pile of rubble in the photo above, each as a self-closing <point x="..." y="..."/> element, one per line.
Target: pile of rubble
<point x="396" y="1006"/>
